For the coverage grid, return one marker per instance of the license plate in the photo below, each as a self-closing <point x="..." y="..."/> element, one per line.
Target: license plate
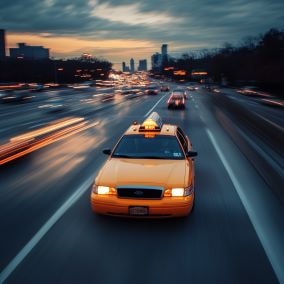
<point x="138" y="210"/>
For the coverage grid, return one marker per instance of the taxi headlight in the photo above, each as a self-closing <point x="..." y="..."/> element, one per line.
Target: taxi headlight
<point x="179" y="191"/>
<point x="100" y="189"/>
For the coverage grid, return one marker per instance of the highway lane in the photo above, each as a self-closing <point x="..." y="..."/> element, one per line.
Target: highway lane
<point x="272" y="114"/>
<point x="217" y="243"/>
<point x="18" y="117"/>
<point x="258" y="130"/>
<point x="43" y="179"/>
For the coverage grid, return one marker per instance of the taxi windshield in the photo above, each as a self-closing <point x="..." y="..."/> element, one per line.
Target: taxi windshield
<point x="144" y="147"/>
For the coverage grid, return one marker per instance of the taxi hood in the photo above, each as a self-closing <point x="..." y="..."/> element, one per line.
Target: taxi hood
<point x="155" y="172"/>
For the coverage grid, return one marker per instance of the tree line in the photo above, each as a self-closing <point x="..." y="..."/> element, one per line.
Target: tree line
<point x="256" y="60"/>
<point x="57" y="71"/>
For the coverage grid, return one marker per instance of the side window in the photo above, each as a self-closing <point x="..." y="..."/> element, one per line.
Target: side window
<point x="182" y="139"/>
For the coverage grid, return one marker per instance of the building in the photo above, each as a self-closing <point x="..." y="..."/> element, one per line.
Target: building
<point x="164" y="51"/>
<point x="123" y="67"/>
<point x="2" y="45"/>
<point x="24" y="51"/>
<point x="142" y="65"/>
<point x="156" y="61"/>
<point x="159" y="59"/>
<point x="132" y="69"/>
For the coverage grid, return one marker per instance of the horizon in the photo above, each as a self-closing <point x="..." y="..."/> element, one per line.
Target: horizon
<point x="120" y="30"/>
<point x="35" y="40"/>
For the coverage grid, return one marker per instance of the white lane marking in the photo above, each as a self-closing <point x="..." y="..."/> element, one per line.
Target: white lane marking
<point x="9" y="269"/>
<point x="269" y="121"/>
<point x="260" y="231"/>
<point x="154" y="106"/>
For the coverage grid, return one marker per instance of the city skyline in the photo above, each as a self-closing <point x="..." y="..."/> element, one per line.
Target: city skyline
<point x="116" y="29"/>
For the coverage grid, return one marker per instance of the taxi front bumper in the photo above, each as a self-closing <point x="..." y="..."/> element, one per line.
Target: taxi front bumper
<point x="162" y="208"/>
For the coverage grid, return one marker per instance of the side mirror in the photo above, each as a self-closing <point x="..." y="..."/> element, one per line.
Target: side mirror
<point x="107" y="151"/>
<point x="191" y="154"/>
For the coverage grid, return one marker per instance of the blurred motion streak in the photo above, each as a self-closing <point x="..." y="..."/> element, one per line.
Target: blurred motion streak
<point x="26" y="143"/>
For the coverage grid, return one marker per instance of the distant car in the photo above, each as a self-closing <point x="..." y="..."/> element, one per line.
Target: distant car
<point x="128" y="91"/>
<point x="192" y="88"/>
<point x="176" y="100"/>
<point x="152" y="90"/>
<point x="37" y="87"/>
<point x="165" y="88"/>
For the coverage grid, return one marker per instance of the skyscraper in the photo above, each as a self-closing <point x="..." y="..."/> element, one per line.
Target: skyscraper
<point x="164" y="50"/>
<point x="123" y="67"/>
<point x="142" y="65"/>
<point x="156" y="61"/>
<point x="2" y="45"/>
<point x="132" y="69"/>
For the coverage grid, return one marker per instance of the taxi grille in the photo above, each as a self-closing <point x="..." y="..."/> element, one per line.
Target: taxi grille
<point x="142" y="193"/>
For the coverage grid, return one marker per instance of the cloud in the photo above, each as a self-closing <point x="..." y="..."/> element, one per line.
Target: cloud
<point x="129" y="14"/>
<point x="184" y="25"/>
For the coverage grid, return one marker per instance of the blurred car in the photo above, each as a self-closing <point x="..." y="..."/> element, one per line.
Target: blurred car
<point x="54" y="105"/>
<point x="39" y="137"/>
<point x="16" y="97"/>
<point x="2" y="94"/>
<point x="252" y="91"/>
<point x="128" y="91"/>
<point x="149" y="173"/>
<point x="176" y="100"/>
<point x="165" y="88"/>
<point x="152" y="90"/>
<point x="273" y="102"/>
<point x="36" y="87"/>
<point x="216" y="90"/>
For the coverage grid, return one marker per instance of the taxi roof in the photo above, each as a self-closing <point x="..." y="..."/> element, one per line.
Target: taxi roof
<point x="152" y="126"/>
<point x="167" y="129"/>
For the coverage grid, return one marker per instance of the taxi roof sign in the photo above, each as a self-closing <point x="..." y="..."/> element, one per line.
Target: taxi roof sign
<point x="152" y="123"/>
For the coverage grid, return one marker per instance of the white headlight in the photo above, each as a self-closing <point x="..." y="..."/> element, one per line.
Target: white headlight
<point x="178" y="191"/>
<point x="102" y="189"/>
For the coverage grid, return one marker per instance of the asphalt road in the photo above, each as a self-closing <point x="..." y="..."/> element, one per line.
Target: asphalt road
<point x="49" y="234"/>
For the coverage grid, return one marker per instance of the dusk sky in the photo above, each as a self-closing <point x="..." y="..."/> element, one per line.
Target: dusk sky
<point x="120" y="29"/>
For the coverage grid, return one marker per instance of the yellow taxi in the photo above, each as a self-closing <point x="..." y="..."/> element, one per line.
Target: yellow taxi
<point x="149" y="173"/>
